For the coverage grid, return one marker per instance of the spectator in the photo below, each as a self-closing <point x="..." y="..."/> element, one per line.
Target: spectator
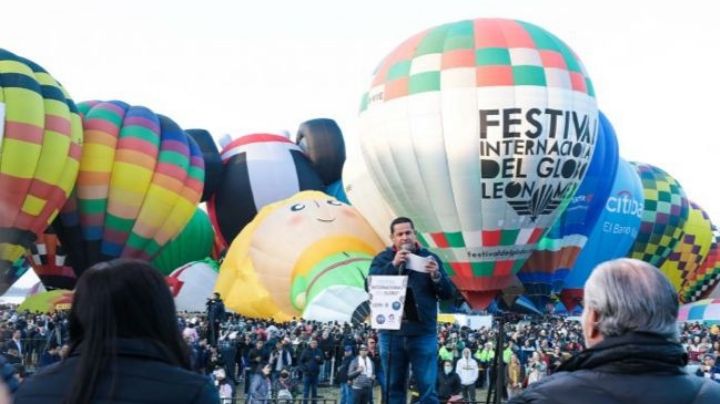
<point x="310" y="362"/>
<point x="629" y="325"/>
<point x="515" y="377"/>
<point x="709" y="369"/>
<point x="346" y="396"/>
<point x="467" y="369"/>
<point x="260" y="386"/>
<point x="362" y="375"/>
<point x="125" y="345"/>
<point x="449" y="386"/>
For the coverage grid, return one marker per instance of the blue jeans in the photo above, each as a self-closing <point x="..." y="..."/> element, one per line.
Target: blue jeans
<point x="310" y="384"/>
<point x="345" y="394"/>
<point x="399" y="353"/>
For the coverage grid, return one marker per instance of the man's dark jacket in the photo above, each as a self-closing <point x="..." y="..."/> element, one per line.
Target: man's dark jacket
<point x="144" y="375"/>
<point x="425" y="291"/>
<point x="634" y="368"/>
<point x="310" y="361"/>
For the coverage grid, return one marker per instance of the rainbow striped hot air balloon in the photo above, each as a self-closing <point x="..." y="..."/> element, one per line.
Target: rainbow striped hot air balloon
<point x="40" y="145"/>
<point x="704" y="279"/>
<point x="140" y="180"/>
<point x="480" y="131"/>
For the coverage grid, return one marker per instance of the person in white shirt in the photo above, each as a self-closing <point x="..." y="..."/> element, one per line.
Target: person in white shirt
<point x="467" y="369"/>
<point x="362" y="375"/>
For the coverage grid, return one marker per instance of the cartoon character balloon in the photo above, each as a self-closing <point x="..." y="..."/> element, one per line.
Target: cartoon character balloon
<point x="547" y="267"/>
<point x="480" y="131"/>
<point x="613" y="235"/>
<point x="140" y="180"/>
<point x="307" y="255"/>
<point x="40" y="145"/>
<point x="256" y="169"/>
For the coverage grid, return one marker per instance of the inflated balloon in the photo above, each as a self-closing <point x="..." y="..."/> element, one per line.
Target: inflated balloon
<point x="192" y="284"/>
<point x="365" y="197"/>
<point x="194" y="243"/>
<point x="141" y="178"/>
<point x="480" y="131"/>
<point x="613" y="235"/>
<point x="690" y="250"/>
<point x="40" y="145"/>
<point x="701" y="283"/>
<point x="49" y="261"/>
<point x="322" y="141"/>
<point x="307" y="255"/>
<point x="17" y="270"/>
<point x="664" y="215"/>
<point x="547" y="267"/>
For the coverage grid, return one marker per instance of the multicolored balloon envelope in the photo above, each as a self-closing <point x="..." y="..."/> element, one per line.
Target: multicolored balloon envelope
<point x="15" y="272"/>
<point x="664" y="215"/>
<point x="194" y="243"/>
<point x="706" y="310"/>
<point x="545" y="271"/>
<point x="706" y="278"/>
<point x="690" y="251"/>
<point x="480" y="131"/>
<point x="304" y="256"/>
<point x="41" y="141"/>
<point x="141" y="178"/>
<point x="49" y="261"/>
<point x="192" y="284"/>
<point x="47" y="302"/>
<point x="614" y="232"/>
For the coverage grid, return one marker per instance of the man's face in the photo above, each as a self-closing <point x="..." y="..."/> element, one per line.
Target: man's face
<point x="313" y="344"/>
<point x="403" y="233"/>
<point x="17" y="334"/>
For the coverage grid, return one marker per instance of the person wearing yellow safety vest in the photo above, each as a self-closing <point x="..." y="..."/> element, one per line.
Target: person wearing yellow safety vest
<point x="484" y="357"/>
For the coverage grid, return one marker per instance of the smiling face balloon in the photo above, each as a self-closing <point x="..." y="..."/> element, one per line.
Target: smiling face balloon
<point x="480" y="131"/>
<point x="304" y="256"/>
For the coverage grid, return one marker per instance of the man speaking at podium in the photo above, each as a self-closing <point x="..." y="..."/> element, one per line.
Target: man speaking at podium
<point x="415" y="343"/>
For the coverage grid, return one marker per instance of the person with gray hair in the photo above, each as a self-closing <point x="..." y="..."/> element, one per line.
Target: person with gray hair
<point x="633" y="355"/>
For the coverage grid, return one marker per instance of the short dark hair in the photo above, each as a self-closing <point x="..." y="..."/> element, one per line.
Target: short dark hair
<point x="399" y="220"/>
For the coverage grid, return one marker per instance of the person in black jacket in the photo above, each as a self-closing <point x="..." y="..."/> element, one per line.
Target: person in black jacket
<point x="449" y="384"/>
<point x="310" y="361"/>
<point x="216" y="315"/>
<point x="342" y="376"/>
<point x="125" y="345"/>
<point x="415" y="344"/>
<point x="633" y="355"/>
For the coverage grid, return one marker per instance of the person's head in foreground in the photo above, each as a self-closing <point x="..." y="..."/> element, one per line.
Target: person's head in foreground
<point x="629" y="322"/>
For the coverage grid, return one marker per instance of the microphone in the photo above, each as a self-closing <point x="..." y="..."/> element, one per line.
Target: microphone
<point x="408" y="247"/>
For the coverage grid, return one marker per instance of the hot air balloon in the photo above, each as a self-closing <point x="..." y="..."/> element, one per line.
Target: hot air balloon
<point x="49" y="261"/>
<point x="141" y="178"/>
<point x="547" y="267"/>
<point x="480" y="131"/>
<point x="364" y="196"/>
<point x="194" y="243"/>
<point x="192" y="284"/>
<point x="41" y="141"/>
<point x="256" y="169"/>
<point x="17" y="270"/>
<point x="664" y="215"/>
<point x="702" y="281"/>
<point x="614" y="232"/>
<point x="304" y="256"/>
<point x="690" y="250"/>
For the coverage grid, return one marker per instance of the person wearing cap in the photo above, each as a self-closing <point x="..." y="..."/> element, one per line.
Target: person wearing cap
<point x="342" y="376"/>
<point x="362" y="375"/>
<point x="415" y="344"/>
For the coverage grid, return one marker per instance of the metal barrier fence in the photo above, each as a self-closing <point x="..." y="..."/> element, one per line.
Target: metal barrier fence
<point x="281" y="401"/>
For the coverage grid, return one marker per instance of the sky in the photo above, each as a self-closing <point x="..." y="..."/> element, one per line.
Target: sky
<point x="240" y="66"/>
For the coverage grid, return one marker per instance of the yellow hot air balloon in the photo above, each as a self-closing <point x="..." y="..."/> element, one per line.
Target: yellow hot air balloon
<point x="307" y="255"/>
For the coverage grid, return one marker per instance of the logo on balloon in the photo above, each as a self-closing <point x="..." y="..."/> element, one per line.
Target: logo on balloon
<point x="624" y="203"/>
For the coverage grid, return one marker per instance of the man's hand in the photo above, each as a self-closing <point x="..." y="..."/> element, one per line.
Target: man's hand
<point x="400" y="257"/>
<point x="433" y="269"/>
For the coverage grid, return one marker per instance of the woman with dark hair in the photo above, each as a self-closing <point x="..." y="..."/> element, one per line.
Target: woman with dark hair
<point x="125" y="344"/>
<point x="260" y="385"/>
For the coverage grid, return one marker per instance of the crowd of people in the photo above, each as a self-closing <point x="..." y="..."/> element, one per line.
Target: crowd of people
<point x="256" y="359"/>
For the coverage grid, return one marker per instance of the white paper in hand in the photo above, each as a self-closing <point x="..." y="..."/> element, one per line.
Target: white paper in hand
<point x="417" y="263"/>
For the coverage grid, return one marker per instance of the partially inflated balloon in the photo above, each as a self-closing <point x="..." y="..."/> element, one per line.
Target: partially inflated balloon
<point x="192" y="284"/>
<point x="259" y="169"/>
<point x="40" y="144"/>
<point x="194" y="243"/>
<point x="706" y="277"/>
<point x="141" y="178"/>
<point x="480" y="131"/>
<point x="690" y="250"/>
<point x="545" y="271"/>
<point x="664" y="215"/>
<point x="50" y="262"/>
<point x="365" y="197"/>
<point x="307" y="255"/>
<point x="614" y="232"/>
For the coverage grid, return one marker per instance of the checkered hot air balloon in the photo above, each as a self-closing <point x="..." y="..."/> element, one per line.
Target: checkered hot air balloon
<point x="141" y="178"/>
<point x="480" y="131"/>
<point x="49" y="260"/>
<point x="664" y="215"/>
<point x="690" y="250"/>
<point x="40" y="145"/>
<point x="706" y="277"/>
